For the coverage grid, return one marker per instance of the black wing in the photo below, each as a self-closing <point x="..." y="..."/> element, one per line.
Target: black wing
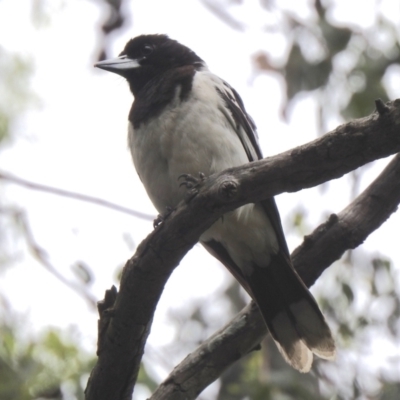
<point x="246" y="130"/>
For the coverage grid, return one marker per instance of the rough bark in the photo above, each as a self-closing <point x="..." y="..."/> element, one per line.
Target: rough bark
<point x="126" y="316"/>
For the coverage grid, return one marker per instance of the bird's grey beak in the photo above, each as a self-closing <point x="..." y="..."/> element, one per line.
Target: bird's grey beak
<point x="118" y="65"/>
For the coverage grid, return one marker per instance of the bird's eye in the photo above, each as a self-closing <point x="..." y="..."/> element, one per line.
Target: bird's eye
<point x="147" y="49"/>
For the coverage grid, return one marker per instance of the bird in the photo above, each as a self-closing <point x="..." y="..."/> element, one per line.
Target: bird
<point x="185" y="120"/>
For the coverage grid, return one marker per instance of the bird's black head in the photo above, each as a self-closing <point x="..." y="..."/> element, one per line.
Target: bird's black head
<point x="147" y="56"/>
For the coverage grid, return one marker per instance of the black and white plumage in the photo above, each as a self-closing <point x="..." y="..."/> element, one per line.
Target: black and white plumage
<point x="186" y="120"/>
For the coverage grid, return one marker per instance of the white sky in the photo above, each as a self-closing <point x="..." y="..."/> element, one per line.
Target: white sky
<point x="76" y="140"/>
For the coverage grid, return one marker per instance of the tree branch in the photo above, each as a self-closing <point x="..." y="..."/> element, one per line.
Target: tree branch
<point x="128" y="320"/>
<point x="5" y="176"/>
<point x="325" y="245"/>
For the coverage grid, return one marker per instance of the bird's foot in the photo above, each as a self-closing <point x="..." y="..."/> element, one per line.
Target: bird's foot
<point x="192" y="183"/>
<point x="162" y="217"/>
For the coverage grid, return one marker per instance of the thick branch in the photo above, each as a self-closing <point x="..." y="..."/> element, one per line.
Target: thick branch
<point x="326" y="244"/>
<point x="122" y="339"/>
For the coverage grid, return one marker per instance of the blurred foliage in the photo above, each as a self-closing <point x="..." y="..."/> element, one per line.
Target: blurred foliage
<point x="345" y="65"/>
<point x="16" y="94"/>
<point x="363" y="307"/>
<point x="50" y="365"/>
<point x="16" y="97"/>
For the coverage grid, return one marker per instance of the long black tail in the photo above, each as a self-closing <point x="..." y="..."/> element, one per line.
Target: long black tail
<point x="290" y="311"/>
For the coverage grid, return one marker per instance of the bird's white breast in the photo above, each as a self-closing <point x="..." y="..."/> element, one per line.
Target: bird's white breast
<point x="191" y="136"/>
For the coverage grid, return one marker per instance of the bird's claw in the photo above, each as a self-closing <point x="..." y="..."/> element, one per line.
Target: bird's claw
<point x="161" y="218"/>
<point x="190" y="181"/>
<point x="192" y="184"/>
